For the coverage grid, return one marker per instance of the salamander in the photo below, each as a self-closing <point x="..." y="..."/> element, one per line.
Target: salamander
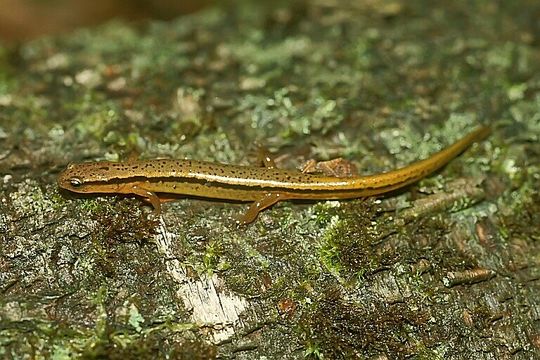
<point x="263" y="186"/>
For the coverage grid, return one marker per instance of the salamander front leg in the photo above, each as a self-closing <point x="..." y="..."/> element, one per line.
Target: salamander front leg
<point x="338" y="167"/>
<point x="265" y="158"/>
<point x="147" y="195"/>
<point x="257" y="206"/>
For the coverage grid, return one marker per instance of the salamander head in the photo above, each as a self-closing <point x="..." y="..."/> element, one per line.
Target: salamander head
<point x="85" y="177"/>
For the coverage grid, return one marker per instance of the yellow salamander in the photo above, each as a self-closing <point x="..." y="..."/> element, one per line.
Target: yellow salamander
<point x="264" y="186"/>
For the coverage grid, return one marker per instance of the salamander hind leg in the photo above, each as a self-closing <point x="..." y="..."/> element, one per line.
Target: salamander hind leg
<point x="259" y="205"/>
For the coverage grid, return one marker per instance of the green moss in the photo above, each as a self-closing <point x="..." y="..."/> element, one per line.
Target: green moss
<point x="313" y="351"/>
<point x="350" y="240"/>
<point x="342" y="329"/>
<point x="211" y="257"/>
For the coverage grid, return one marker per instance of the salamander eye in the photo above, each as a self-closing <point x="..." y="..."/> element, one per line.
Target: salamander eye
<point x="75" y="182"/>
